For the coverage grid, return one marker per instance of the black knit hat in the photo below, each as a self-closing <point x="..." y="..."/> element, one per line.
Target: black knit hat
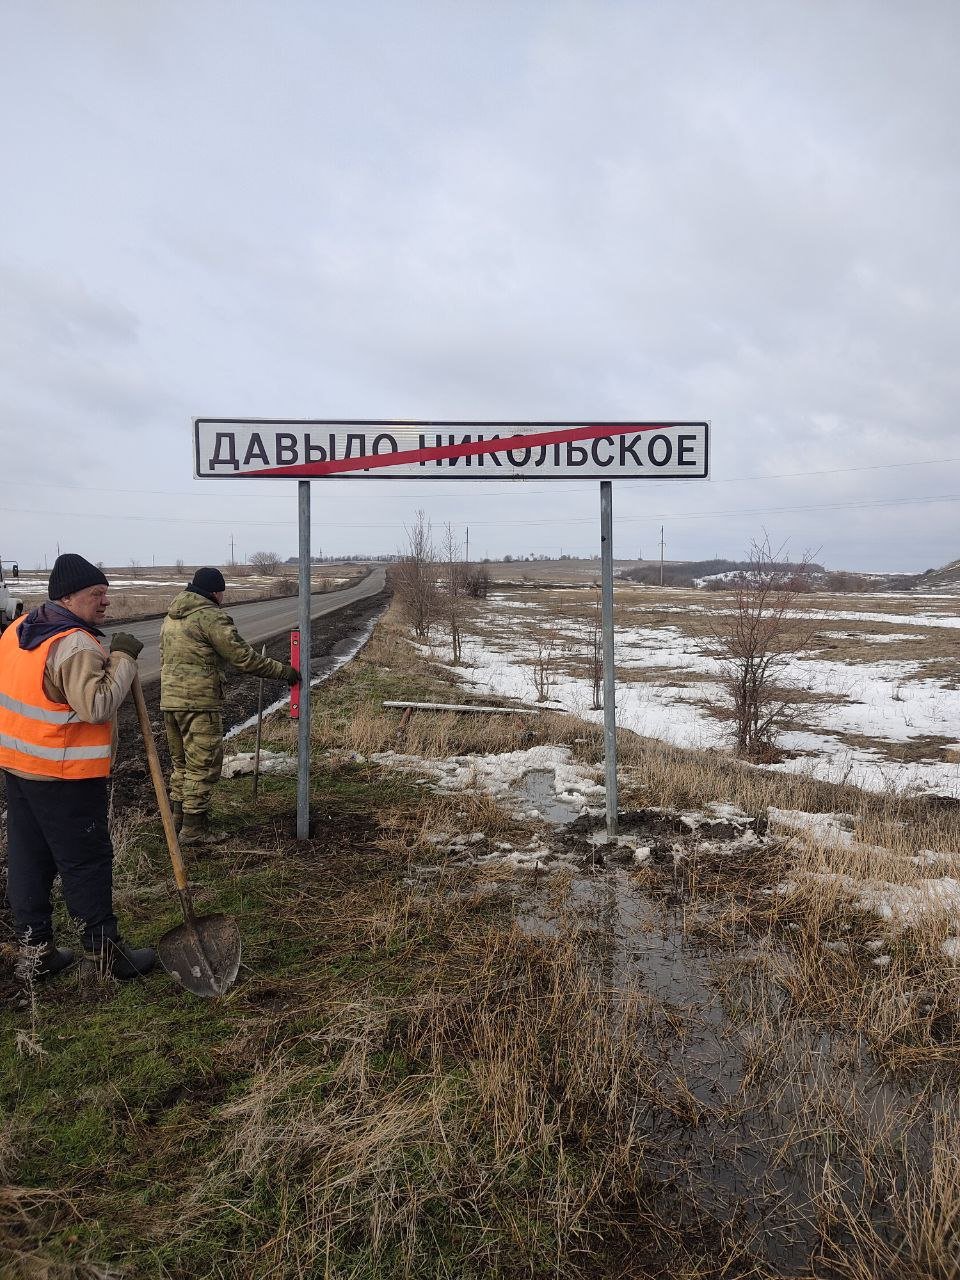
<point x="72" y="573"/>
<point x="206" y="581"/>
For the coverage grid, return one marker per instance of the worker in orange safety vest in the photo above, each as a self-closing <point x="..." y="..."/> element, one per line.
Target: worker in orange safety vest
<point x="60" y="690"/>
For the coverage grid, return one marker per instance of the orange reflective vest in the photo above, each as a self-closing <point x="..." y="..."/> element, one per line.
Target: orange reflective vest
<point x="38" y="736"/>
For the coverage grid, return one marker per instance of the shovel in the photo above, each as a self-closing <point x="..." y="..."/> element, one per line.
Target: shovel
<point x="256" y="751"/>
<point x="203" y="953"/>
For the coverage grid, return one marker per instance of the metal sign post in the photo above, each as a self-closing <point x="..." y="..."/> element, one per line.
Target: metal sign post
<point x="314" y="449"/>
<point x="609" y="670"/>
<point x="303" y="724"/>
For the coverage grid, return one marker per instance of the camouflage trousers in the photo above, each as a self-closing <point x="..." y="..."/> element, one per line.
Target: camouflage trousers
<point x="195" y="739"/>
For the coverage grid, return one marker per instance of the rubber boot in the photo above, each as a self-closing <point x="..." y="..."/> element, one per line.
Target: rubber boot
<point x="197" y="830"/>
<point x="177" y="809"/>
<point x="124" y="962"/>
<point x="48" y="960"/>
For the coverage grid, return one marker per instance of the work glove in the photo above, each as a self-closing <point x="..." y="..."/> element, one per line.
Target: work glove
<point x="124" y="642"/>
<point x="292" y="675"/>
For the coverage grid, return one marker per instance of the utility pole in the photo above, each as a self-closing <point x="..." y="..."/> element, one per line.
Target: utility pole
<point x="468" y="544"/>
<point x="661" y="555"/>
<point x="232" y="560"/>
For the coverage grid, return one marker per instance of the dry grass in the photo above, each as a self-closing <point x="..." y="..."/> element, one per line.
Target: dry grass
<point x="844" y="1074"/>
<point x="922" y="1238"/>
<point x="652" y="772"/>
<point x="697" y="619"/>
<point x="920" y="747"/>
<point x="491" y="1112"/>
<point x="437" y="1091"/>
<point x="835" y="1075"/>
<point x="20" y="1208"/>
<point x="132" y="865"/>
<point x="863" y="929"/>
<point x="361" y="724"/>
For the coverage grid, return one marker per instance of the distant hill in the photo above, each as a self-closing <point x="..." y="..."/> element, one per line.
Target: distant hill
<point x="718" y="574"/>
<point x="696" y="573"/>
<point x="946" y="578"/>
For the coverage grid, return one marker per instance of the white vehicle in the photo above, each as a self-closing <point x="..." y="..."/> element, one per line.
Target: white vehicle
<point x="10" y="605"/>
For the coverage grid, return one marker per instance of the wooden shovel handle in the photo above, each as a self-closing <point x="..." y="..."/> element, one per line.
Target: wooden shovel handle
<point x="159" y="786"/>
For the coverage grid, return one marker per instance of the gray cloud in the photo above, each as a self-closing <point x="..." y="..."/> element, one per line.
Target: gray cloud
<point x="744" y="212"/>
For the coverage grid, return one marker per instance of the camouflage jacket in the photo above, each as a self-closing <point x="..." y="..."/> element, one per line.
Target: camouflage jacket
<point x="198" y="644"/>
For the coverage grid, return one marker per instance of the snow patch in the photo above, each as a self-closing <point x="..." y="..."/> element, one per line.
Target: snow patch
<point x="277" y="762"/>
<point x="501" y="776"/>
<point x="890" y="702"/>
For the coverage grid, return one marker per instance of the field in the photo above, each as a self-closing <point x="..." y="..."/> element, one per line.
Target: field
<point x="136" y="592"/>
<point x="471" y="1038"/>
<point x="876" y="689"/>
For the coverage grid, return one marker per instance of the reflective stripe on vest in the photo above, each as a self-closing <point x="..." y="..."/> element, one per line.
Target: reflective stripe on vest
<point x="36" y="713"/>
<point x="55" y="753"/>
<point x="37" y="735"/>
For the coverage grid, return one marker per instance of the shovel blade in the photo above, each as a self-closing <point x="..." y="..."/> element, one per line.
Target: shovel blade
<point x="203" y="955"/>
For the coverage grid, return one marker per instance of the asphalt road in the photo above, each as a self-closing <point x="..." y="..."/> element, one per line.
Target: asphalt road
<point x="256" y="622"/>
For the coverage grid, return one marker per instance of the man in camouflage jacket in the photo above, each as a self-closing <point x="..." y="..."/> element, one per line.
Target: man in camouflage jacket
<point x="198" y="644"/>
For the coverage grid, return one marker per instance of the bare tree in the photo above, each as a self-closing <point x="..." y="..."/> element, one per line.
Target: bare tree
<point x="477" y="581"/>
<point x="756" y="642"/>
<point x="415" y="578"/>
<point x="267" y="562"/>
<point x="596" y="652"/>
<point x="546" y="638"/>
<point x="453" y="580"/>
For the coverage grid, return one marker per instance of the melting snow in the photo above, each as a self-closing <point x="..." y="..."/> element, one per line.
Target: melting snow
<point x="897" y="904"/>
<point x="270" y="762"/>
<point x="501" y="775"/>
<point x="887" y="701"/>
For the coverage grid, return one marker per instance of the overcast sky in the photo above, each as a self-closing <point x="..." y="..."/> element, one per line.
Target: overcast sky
<point x="746" y="212"/>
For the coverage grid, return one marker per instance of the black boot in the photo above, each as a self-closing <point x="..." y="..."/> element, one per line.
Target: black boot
<point x="47" y="959"/>
<point x="177" y="810"/>
<point x="116" y="957"/>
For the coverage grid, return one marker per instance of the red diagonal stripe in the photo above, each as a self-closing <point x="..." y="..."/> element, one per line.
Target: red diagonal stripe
<point x="366" y="462"/>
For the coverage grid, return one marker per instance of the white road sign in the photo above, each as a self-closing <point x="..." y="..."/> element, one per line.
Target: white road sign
<point x="383" y="450"/>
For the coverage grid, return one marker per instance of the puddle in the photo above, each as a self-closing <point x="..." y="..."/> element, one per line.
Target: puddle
<point x="538" y="787"/>
<point x="753" y="1110"/>
<point x="738" y="1085"/>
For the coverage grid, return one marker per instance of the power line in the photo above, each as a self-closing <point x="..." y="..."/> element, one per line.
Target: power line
<point x="566" y="520"/>
<point x="485" y="491"/>
<point x="773" y="511"/>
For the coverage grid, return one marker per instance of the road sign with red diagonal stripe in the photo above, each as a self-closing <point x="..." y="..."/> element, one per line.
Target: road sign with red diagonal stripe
<point x="384" y="450"/>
